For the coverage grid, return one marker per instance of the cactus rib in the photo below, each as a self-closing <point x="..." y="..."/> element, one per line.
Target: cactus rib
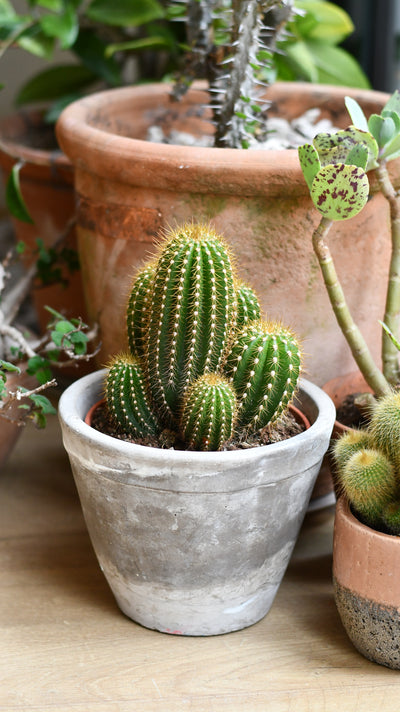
<point x="127" y="397"/>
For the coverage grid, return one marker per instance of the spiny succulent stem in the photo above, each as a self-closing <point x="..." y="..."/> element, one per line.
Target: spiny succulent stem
<point x="351" y="332"/>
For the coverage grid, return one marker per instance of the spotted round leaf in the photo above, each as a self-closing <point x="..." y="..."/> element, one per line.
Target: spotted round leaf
<point x="340" y="191"/>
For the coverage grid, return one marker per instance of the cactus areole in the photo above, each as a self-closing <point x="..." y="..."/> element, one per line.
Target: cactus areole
<point x="202" y="361"/>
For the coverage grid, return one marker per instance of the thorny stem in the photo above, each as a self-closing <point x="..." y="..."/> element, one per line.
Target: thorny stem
<point x="390" y="354"/>
<point x="350" y="330"/>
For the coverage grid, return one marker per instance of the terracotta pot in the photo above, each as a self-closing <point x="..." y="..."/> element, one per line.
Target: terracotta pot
<point x="128" y="189"/>
<point x="366" y="579"/>
<point x="193" y="543"/>
<point x="10" y="430"/>
<point x="46" y="181"/>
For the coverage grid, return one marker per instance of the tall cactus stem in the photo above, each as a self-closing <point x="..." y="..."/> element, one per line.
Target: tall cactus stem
<point x="191" y="315"/>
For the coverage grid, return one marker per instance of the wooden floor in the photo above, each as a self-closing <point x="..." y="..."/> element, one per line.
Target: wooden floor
<point x="65" y="647"/>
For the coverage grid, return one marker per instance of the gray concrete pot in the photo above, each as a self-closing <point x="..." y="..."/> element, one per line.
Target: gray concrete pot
<point x="193" y="543"/>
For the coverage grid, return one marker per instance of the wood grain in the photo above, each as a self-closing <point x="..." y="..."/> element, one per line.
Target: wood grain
<point x="65" y="646"/>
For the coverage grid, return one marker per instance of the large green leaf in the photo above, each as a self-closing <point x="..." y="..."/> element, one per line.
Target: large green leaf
<point x="301" y="61"/>
<point x="339" y="192"/>
<point x="124" y="13"/>
<point x="335" y="147"/>
<point x="54" y="82"/>
<point x="92" y="52"/>
<point x="35" y="41"/>
<point x="332" y="24"/>
<point x="336" y="66"/>
<point x="138" y="45"/>
<point x="7" y="11"/>
<point x="14" y="199"/>
<point x="64" y="26"/>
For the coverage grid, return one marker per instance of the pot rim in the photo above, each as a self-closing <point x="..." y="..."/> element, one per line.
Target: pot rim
<point x="235" y="171"/>
<point x="76" y="400"/>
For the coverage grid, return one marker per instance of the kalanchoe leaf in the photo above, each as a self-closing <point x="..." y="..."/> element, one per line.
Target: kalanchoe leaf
<point x="358" y="156"/>
<point x="309" y="162"/>
<point x="339" y="191"/>
<point x="357" y="115"/>
<point x="393" y="104"/>
<point x="335" y="148"/>
<point x="392" y="149"/>
<point x="394" y="116"/>
<point x="382" y="129"/>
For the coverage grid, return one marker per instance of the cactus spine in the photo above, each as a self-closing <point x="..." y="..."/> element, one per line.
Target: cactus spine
<point x="368" y="464"/>
<point x="183" y="318"/>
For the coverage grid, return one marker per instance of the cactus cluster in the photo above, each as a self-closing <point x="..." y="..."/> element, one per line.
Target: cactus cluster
<point x="202" y="361"/>
<point x="368" y="466"/>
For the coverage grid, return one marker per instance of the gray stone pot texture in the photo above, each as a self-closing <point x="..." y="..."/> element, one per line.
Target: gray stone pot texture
<point x="193" y="543"/>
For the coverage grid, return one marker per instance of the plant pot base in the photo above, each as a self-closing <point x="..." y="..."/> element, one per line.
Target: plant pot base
<point x="200" y="611"/>
<point x="374" y="629"/>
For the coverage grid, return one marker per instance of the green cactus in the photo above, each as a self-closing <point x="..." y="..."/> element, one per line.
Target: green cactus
<point x="127" y="398"/>
<point x="369" y="482"/>
<point x="209" y="412"/>
<point x="350" y="443"/>
<point x="263" y="365"/>
<point x="248" y="307"/>
<point x="385" y="427"/>
<point x="183" y="319"/>
<point x="368" y="465"/>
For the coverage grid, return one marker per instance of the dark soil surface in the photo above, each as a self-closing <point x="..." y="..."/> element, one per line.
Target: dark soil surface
<point x="286" y="428"/>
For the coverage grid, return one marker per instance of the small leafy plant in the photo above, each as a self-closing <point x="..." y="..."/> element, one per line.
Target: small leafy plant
<point x="202" y="362"/>
<point x="368" y="465"/>
<point x="24" y="354"/>
<point x="335" y="168"/>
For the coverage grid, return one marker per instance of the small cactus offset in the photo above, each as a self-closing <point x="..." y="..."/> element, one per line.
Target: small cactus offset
<point x="263" y="365"/>
<point x="202" y="362"/>
<point x="368" y="466"/>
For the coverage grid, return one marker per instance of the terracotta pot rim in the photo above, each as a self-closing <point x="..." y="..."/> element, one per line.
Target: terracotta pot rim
<point x="97" y="150"/>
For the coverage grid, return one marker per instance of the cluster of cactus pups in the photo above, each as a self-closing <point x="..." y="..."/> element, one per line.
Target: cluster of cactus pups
<point x="368" y="466"/>
<point x="202" y="361"/>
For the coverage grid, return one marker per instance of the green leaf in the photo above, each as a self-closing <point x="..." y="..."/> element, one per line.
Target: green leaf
<point x="14" y="200"/>
<point x="65" y="27"/>
<point x="124" y="13"/>
<point x="92" y="53"/>
<point x="40" y="368"/>
<point x="43" y="404"/>
<point x="37" y="43"/>
<point x="334" y="148"/>
<point x="7" y="11"/>
<point x="336" y="66"/>
<point x="332" y="25"/>
<point x="358" y="156"/>
<point x="357" y="116"/>
<point x="137" y="45"/>
<point x="382" y="129"/>
<point x="301" y="60"/>
<point x="309" y="162"/>
<point x="390" y="334"/>
<point x="392" y="149"/>
<point x="10" y="367"/>
<point x="339" y="192"/>
<point x="54" y="83"/>
<point x="393" y="104"/>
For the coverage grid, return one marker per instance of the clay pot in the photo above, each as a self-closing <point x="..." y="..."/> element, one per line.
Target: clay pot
<point x="10" y="430"/>
<point x="193" y="543"/>
<point x="366" y="579"/>
<point x="46" y="181"/>
<point x="129" y="189"/>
